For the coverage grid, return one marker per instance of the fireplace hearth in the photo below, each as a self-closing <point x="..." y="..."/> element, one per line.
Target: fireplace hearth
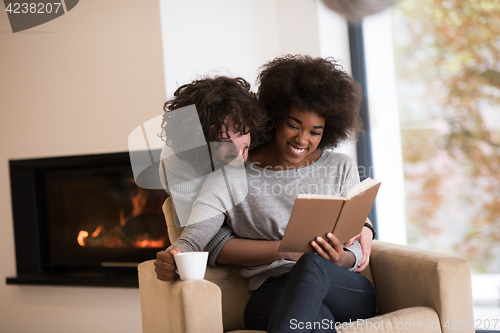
<point x="82" y="220"/>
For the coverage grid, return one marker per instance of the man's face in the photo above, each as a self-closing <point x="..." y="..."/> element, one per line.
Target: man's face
<point x="237" y="147"/>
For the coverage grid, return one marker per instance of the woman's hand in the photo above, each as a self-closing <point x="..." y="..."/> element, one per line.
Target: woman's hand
<point x="335" y="253"/>
<point x="365" y="240"/>
<point x="165" y="265"/>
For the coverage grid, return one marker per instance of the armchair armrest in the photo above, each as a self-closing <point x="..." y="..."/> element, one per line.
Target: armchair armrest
<point x="179" y="306"/>
<point x="405" y="276"/>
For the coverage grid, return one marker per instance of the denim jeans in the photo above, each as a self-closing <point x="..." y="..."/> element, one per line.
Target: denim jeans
<point x="312" y="297"/>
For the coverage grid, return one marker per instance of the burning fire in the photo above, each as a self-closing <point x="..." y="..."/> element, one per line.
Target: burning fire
<point x="97" y="231"/>
<point x="113" y="241"/>
<point x="140" y="222"/>
<point x="82" y="235"/>
<point x="150" y="243"/>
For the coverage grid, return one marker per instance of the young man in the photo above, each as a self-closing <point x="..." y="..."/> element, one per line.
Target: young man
<point x="227" y="112"/>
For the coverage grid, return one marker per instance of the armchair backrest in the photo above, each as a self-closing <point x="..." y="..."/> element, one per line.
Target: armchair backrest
<point x="367" y="273"/>
<point x="168" y="210"/>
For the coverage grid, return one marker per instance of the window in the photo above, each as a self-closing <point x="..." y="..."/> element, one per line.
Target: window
<point x="433" y="72"/>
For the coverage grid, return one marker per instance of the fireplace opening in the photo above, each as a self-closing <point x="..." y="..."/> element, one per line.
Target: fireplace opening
<point x="82" y="220"/>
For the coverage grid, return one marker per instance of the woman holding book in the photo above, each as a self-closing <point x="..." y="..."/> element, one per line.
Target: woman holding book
<point x="314" y="105"/>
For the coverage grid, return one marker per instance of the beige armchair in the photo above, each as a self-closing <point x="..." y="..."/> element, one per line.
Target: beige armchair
<point x="417" y="291"/>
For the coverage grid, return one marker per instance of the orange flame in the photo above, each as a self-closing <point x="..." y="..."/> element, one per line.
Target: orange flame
<point x="82" y="235"/>
<point x="150" y="243"/>
<point x="97" y="231"/>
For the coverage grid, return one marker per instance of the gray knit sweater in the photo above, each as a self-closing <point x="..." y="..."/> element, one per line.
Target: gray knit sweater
<point x="263" y="214"/>
<point x="184" y="185"/>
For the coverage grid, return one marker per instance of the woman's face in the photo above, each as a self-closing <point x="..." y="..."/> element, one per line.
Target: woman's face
<point x="299" y="136"/>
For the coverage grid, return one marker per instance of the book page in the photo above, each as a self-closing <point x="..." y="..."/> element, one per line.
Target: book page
<point x="361" y="187"/>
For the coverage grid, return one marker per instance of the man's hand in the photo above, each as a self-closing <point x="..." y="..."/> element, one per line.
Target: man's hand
<point x="365" y="240"/>
<point x="165" y="265"/>
<point x="335" y="253"/>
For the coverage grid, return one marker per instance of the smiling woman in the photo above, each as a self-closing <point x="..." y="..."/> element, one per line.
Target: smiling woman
<point x="297" y="139"/>
<point x="311" y="102"/>
<point x="312" y="84"/>
<point x="314" y="105"/>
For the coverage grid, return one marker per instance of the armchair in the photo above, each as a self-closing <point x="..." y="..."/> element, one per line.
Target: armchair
<point x="417" y="291"/>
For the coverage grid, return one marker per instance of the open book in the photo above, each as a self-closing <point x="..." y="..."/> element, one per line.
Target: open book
<point x="316" y="215"/>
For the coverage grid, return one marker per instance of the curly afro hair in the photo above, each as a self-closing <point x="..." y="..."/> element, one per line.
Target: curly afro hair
<point x="312" y="84"/>
<point x="217" y="99"/>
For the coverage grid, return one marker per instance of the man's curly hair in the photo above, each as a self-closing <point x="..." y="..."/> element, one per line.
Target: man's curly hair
<point x="217" y="99"/>
<point x="312" y="84"/>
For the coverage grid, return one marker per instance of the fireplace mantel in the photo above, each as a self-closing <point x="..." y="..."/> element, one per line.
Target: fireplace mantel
<point x="124" y="279"/>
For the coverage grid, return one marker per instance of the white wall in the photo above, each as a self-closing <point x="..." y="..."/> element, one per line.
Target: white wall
<point x="233" y="37"/>
<point x="75" y="85"/>
<point x="81" y="83"/>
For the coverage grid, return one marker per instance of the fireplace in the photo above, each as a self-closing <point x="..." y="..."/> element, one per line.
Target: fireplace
<point x="82" y="220"/>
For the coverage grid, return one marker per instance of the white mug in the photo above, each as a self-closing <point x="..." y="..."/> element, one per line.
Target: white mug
<point x="191" y="265"/>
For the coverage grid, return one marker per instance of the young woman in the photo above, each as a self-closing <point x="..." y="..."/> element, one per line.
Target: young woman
<point x="314" y="106"/>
